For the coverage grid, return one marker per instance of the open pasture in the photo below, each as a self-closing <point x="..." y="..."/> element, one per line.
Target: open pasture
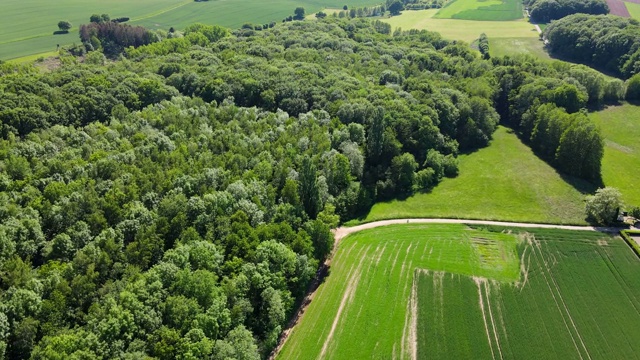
<point x="518" y="46"/>
<point x="621" y="128"/>
<point x="30" y="24"/>
<point x="449" y="291"/>
<point x="466" y="30"/>
<point x="634" y="9"/>
<point x="483" y="10"/>
<point x="504" y="181"/>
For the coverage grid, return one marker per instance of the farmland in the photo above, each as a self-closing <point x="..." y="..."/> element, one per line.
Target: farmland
<point x="467" y="30"/>
<point x="397" y="289"/>
<point x="621" y="128"/>
<point x="521" y="186"/>
<point x="492" y="10"/>
<point x="23" y="35"/>
<point x="634" y="9"/>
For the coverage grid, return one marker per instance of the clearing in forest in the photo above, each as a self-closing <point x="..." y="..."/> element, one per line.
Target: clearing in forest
<point x="450" y="291"/>
<point x="620" y="127"/>
<point x="504" y="181"/>
<point x="482" y="10"/>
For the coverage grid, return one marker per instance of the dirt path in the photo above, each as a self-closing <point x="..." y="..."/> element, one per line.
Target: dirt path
<point x="341" y="232"/>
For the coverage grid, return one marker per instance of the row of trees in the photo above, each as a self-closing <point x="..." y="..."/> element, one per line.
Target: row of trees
<point x="611" y="43"/>
<point x="544" y="11"/>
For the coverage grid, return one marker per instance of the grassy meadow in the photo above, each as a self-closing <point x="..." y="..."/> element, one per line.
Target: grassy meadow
<point x="467" y="30"/>
<point x="621" y="128"/>
<point x="566" y="307"/>
<point x="504" y="181"/>
<point x="483" y="10"/>
<point x="30" y="23"/>
<point x="366" y="294"/>
<point x="634" y="9"/>
<point x="518" y="46"/>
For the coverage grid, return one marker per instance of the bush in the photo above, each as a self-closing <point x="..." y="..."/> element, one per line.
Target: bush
<point x="633" y="88"/>
<point x="603" y="207"/>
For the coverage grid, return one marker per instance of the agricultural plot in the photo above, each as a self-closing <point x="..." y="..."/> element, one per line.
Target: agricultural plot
<point x="634" y="9"/>
<point x="30" y="23"/>
<point x="366" y="295"/>
<point x="482" y="10"/>
<point x="578" y="298"/>
<point x="620" y="126"/>
<point x="504" y="181"/>
<point x="518" y="46"/>
<point x="466" y="30"/>
<point x="617" y="7"/>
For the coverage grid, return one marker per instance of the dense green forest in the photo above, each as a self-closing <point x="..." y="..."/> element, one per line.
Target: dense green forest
<point x="546" y="10"/>
<point x="177" y="202"/>
<point x="610" y="43"/>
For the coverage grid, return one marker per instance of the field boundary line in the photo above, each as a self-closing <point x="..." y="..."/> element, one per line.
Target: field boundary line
<point x="162" y="11"/>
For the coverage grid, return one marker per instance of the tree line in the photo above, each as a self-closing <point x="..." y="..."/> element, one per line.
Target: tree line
<point x="176" y="203"/>
<point x="544" y="11"/>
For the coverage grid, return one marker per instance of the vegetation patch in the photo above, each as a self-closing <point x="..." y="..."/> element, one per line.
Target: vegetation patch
<point x="634" y="9"/>
<point x="482" y="10"/>
<point x="522" y="188"/>
<point x="532" y="46"/>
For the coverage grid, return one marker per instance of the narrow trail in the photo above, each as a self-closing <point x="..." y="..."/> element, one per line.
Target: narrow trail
<point x="341" y="232"/>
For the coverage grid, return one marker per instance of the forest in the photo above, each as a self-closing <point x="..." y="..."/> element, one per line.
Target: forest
<point x="544" y="11"/>
<point x="176" y="203"/>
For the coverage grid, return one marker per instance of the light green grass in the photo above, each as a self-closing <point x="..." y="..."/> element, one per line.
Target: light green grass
<point x="518" y="46"/>
<point x="30" y="24"/>
<point x="483" y="10"/>
<point x="465" y="30"/>
<point x="366" y="294"/>
<point x="504" y="181"/>
<point x="581" y="300"/>
<point x="634" y="10"/>
<point x="621" y="163"/>
<point x="34" y="57"/>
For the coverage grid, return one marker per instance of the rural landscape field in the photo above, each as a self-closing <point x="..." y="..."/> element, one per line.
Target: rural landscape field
<point x="312" y="179"/>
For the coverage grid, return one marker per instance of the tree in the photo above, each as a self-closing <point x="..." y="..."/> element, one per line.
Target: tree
<point x="603" y="207"/>
<point x="345" y="8"/>
<point x="396" y="8"/>
<point x="64" y="25"/>
<point x="309" y="194"/>
<point x="633" y="88"/>
<point x="299" y="13"/>
<point x="321" y="15"/>
<point x="95" y="18"/>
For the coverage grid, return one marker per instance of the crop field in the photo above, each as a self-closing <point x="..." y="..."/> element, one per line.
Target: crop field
<point x="518" y="46"/>
<point x="466" y="30"/>
<point x="483" y="10"/>
<point x="449" y="291"/>
<point x="634" y="9"/>
<point x="30" y="24"/>
<point x="578" y="298"/>
<point x="621" y="128"/>
<point x="504" y="181"/>
<point x="366" y="295"/>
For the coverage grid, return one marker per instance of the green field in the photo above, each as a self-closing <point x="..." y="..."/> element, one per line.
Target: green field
<point x="412" y="289"/>
<point x="366" y="295"/>
<point x="621" y="128"/>
<point x="482" y="10"/>
<point x="30" y="24"/>
<point x="518" y="46"/>
<point x="466" y="30"/>
<point x="504" y="181"/>
<point x="580" y="300"/>
<point x="634" y="9"/>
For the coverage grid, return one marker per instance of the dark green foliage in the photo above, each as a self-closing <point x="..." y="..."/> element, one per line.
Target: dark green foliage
<point x="544" y="11"/>
<point x="64" y="25"/>
<point x="396" y="7"/>
<point x="633" y="88"/>
<point x="298" y="13"/>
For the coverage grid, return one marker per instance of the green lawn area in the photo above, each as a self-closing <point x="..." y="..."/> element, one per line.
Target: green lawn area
<point x="366" y="294"/>
<point x="417" y="288"/>
<point x="515" y="46"/>
<point x="504" y="181"/>
<point x="621" y="164"/>
<point x="466" y="30"/>
<point x="484" y="10"/>
<point x="30" y="24"/>
<point x="634" y="10"/>
<point x="580" y="299"/>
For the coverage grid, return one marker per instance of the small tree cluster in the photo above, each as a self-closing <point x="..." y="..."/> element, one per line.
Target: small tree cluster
<point x="603" y="208"/>
<point x="483" y="46"/>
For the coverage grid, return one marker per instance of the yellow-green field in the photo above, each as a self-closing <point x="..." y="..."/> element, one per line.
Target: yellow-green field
<point x="484" y="10"/>
<point x="621" y="164"/>
<point x="467" y="30"/>
<point x="504" y="181"/>
<point x="634" y="9"/>
<point x="518" y="46"/>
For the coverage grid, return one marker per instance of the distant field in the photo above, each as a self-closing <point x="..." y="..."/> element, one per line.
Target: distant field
<point x="565" y="307"/>
<point x="466" y="30"/>
<point x="483" y="10"/>
<point x="515" y="46"/>
<point x="504" y="181"/>
<point x="621" y="164"/>
<point x="366" y="295"/>
<point x="29" y="24"/>
<point x="450" y="292"/>
<point x="634" y="9"/>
